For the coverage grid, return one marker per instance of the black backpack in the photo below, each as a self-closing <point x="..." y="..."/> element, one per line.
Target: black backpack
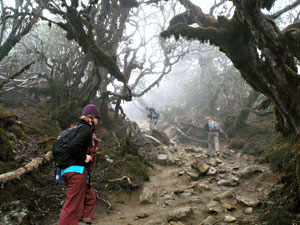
<point x="61" y="153"/>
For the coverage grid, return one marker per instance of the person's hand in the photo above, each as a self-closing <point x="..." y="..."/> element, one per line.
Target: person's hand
<point x="88" y="159"/>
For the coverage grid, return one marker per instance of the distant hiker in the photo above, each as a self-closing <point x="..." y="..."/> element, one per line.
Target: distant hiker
<point x="81" y="200"/>
<point x="153" y="116"/>
<point x="213" y="128"/>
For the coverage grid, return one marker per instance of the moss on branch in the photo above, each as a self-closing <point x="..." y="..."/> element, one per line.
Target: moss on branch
<point x="202" y="34"/>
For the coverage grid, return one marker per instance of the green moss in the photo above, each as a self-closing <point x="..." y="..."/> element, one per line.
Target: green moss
<point x="6" y="153"/>
<point x="254" y="138"/>
<point x="280" y="152"/>
<point x="17" y="131"/>
<point x="4" y="114"/>
<point x="39" y="125"/>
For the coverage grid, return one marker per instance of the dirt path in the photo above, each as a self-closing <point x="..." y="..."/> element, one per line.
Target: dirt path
<point x="225" y="190"/>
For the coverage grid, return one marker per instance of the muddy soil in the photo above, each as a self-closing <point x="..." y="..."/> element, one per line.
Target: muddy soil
<point x="228" y="189"/>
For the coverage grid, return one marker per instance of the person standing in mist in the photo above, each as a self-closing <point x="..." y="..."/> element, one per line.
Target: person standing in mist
<point x="213" y="128"/>
<point x="153" y="117"/>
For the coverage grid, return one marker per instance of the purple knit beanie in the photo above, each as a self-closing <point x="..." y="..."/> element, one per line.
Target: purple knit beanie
<point x="92" y="110"/>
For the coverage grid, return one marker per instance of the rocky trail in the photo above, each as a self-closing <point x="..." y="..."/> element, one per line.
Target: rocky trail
<point x="188" y="186"/>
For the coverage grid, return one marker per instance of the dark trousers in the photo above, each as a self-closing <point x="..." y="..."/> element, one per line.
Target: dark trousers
<point x="80" y="201"/>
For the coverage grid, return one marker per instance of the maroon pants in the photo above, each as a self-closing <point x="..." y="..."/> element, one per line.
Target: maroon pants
<point x="80" y="201"/>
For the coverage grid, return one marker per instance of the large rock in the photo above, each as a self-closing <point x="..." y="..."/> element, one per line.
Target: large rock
<point x="212" y="162"/>
<point x="171" y="202"/>
<point x="228" y="207"/>
<point x="248" y="210"/>
<point x="212" y="171"/>
<point x="214" y="207"/>
<point x="203" y="187"/>
<point x="231" y="181"/>
<point x="141" y="215"/>
<point x="161" y="136"/>
<point x="194" y="175"/>
<point x="162" y="159"/>
<point x="229" y="219"/>
<point x="193" y="149"/>
<point x="180" y="214"/>
<point x="200" y="166"/>
<point x="247" y="201"/>
<point x="249" y="171"/>
<point x="224" y="195"/>
<point x="210" y="220"/>
<point x="146" y="196"/>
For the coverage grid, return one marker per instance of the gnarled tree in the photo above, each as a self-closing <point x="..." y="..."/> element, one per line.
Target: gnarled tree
<point x="265" y="56"/>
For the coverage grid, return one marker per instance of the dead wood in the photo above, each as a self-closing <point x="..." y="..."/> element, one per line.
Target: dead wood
<point x="154" y="139"/>
<point x="20" y="172"/>
<point x="124" y="178"/>
<point x="184" y="135"/>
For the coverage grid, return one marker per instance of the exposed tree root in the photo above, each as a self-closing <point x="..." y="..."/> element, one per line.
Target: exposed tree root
<point x="131" y="184"/>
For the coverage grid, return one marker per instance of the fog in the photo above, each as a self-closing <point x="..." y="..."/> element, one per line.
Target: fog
<point x="162" y="96"/>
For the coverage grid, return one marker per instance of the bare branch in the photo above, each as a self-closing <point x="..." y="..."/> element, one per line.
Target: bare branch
<point x="16" y="74"/>
<point x="211" y="11"/>
<point x="285" y="9"/>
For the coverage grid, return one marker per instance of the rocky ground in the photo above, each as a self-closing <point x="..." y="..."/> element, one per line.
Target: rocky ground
<point x="190" y="186"/>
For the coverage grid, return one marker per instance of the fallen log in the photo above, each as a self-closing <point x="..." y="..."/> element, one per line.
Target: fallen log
<point x="181" y="133"/>
<point x="20" y="172"/>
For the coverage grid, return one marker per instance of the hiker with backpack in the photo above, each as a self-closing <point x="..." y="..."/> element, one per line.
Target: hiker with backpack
<point x="213" y="128"/>
<point x="153" y="116"/>
<point x="80" y="201"/>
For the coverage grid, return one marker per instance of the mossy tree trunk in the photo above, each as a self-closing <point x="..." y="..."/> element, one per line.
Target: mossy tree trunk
<point x="263" y="54"/>
<point x="245" y="111"/>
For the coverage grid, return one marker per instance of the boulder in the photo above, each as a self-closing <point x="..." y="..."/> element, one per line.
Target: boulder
<point x="161" y="136"/>
<point x="210" y="220"/>
<point x="248" y="201"/>
<point x="146" y="196"/>
<point x="162" y="159"/>
<point x="200" y="166"/>
<point x="248" y="210"/>
<point x="249" y="171"/>
<point x="214" y="207"/>
<point x="229" y="219"/>
<point x="180" y="214"/>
